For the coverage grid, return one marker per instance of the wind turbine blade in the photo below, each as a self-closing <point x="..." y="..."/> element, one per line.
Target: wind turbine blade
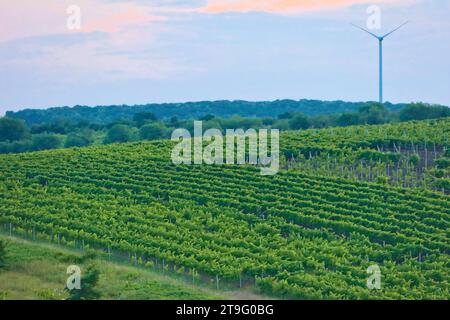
<point x="372" y="34"/>
<point x="389" y="33"/>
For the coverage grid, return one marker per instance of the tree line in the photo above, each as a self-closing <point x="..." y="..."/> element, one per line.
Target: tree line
<point x="17" y="136"/>
<point x="190" y="110"/>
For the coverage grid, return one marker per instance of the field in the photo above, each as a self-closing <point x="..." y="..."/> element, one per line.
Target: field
<point x="374" y="195"/>
<point x="38" y="271"/>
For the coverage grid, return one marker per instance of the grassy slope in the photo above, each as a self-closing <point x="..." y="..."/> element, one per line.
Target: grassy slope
<point x="38" y="271"/>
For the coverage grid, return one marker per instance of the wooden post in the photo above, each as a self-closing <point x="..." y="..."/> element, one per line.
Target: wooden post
<point x="217" y="282"/>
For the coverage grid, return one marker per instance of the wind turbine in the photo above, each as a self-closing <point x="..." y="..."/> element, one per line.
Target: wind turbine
<point x="380" y="42"/>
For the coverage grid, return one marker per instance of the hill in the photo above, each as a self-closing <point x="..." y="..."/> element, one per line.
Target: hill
<point x="189" y="110"/>
<point x="299" y="234"/>
<point x="37" y="271"/>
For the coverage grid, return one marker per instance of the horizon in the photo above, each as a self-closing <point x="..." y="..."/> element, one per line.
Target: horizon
<point x="135" y="53"/>
<point x="200" y="101"/>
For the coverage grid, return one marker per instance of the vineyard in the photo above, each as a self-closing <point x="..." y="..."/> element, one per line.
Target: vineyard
<point x="413" y="154"/>
<point x="347" y="199"/>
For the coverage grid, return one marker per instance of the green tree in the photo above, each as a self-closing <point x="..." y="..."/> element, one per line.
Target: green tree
<point x="142" y="118"/>
<point x="422" y="111"/>
<point x="77" y="140"/>
<point x="281" y="124"/>
<point x="348" y="119"/>
<point x="207" y="117"/>
<point x="322" y="121"/>
<point x="12" y="129"/>
<point x="285" y="115"/>
<point x="89" y="281"/>
<point x="268" y="121"/>
<point x="299" y="121"/>
<point x="152" y="131"/>
<point x="16" y="146"/>
<point x="119" y="133"/>
<point x="174" y="121"/>
<point x="3" y="252"/>
<point x="374" y="113"/>
<point x="46" y="141"/>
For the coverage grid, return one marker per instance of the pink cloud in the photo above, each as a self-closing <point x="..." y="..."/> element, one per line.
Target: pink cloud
<point x="280" y="6"/>
<point x="29" y="18"/>
<point x="130" y="26"/>
<point x="114" y="22"/>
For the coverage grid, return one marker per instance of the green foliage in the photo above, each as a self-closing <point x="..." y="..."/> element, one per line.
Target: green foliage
<point x="299" y="121"/>
<point x="152" y="131"/>
<point x="422" y="111"/>
<point x="414" y="159"/>
<point x="79" y="132"/>
<point x="3" y="253"/>
<point x="443" y="163"/>
<point x="120" y="133"/>
<point x="142" y="118"/>
<point x="89" y="281"/>
<point x="207" y="117"/>
<point x="174" y="121"/>
<point x="16" y="146"/>
<point x="379" y="156"/>
<point x="59" y="126"/>
<point x="12" y="129"/>
<point x="348" y="119"/>
<point x="45" y="141"/>
<point x="88" y="255"/>
<point x="77" y="140"/>
<point x="300" y="234"/>
<point x="382" y="179"/>
<point x="37" y="271"/>
<point x="189" y="110"/>
<point x="373" y="114"/>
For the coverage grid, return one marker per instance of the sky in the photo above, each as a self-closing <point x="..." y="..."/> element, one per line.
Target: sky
<point x="146" y="51"/>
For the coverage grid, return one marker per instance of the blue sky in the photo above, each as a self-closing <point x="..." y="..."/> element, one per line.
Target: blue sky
<point x="134" y="52"/>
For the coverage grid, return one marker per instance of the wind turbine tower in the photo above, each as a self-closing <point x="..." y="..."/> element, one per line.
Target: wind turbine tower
<point x="380" y="44"/>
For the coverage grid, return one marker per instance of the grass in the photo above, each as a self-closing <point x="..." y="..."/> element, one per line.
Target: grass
<point x="37" y="271"/>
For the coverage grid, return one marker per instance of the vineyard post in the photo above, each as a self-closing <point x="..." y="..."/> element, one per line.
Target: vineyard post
<point x="217" y="282"/>
<point x="434" y="149"/>
<point x="193" y="276"/>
